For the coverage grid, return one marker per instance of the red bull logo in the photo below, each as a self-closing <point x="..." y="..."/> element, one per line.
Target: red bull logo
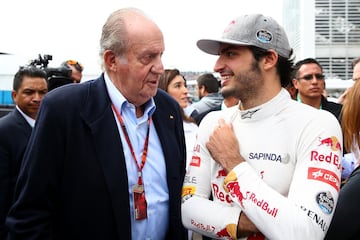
<point x="330" y="158"/>
<point x="229" y="232"/>
<point x="263" y="204"/>
<point x="331" y="142"/>
<point x="223" y="197"/>
<point x="223" y="233"/>
<point x="221" y="173"/>
<point x="203" y="227"/>
<point x="234" y="190"/>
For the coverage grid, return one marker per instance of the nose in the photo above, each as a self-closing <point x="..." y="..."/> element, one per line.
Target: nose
<point x="158" y="66"/>
<point x="37" y="97"/>
<point x="219" y="65"/>
<point x="314" y="80"/>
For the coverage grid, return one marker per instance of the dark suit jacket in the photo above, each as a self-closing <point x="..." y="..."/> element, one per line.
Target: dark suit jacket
<point x="73" y="184"/>
<point x="334" y="108"/>
<point x="14" y="135"/>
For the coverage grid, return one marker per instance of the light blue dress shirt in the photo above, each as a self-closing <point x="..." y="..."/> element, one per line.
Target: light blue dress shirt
<point x="154" y="172"/>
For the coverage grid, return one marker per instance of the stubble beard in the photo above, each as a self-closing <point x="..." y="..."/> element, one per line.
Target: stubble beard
<point x="247" y="84"/>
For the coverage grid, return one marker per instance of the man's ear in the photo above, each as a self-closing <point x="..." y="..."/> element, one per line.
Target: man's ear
<point x="271" y="59"/>
<point x="13" y="95"/>
<point x="110" y="60"/>
<point x="295" y="82"/>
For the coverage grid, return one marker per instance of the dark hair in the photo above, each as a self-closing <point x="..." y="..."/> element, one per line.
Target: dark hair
<point x="209" y="81"/>
<point x="167" y="77"/>
<point x="28" y="71"/>
<point x="283" y="66"/>
<point x="164" y="82"/>
<point x="298" y="65"/>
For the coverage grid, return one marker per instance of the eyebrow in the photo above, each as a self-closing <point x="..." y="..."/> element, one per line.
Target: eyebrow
<point x="226" y="48"/>
<point x="178" y="81"/>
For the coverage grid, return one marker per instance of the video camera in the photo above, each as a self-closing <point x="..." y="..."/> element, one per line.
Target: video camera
<point x="56" y="76"/>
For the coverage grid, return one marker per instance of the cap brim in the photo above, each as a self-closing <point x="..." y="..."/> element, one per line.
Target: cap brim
<point x="211" y="46"/>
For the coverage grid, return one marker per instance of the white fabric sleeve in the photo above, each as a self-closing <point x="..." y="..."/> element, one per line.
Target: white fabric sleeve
<point x="216" y="217"/>
<point x="307" y="210"/>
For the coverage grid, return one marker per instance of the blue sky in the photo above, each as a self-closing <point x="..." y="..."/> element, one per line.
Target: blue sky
<point x="71" y="29"/>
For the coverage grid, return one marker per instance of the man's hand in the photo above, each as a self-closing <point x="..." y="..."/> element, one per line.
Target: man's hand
<point x="223" y="146"/>
<point x="245" y="227"/>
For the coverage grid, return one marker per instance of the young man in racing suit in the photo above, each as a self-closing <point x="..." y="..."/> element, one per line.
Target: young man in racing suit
<point x="272" y="166"/>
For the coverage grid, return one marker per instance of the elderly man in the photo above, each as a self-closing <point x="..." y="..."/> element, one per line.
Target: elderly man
<point x="107" y="159"/>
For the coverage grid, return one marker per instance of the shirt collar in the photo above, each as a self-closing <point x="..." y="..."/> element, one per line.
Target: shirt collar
<point x="120" y="101"/>
<point x="27" y="118"/>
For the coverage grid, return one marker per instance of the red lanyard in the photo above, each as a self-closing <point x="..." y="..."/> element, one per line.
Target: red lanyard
<point x="146" y="144"/>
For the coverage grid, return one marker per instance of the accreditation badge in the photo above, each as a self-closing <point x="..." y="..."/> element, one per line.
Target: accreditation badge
<point x="140" y="205"/>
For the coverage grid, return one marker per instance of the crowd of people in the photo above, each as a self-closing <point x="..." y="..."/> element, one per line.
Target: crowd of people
<point x="261" y="155"/>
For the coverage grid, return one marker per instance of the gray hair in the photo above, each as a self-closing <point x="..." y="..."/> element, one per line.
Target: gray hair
<point x="114" y="35"/>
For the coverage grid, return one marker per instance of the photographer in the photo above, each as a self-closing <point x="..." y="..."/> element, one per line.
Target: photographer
<point x="56" y="77"/>
<point x="76" y="69"/>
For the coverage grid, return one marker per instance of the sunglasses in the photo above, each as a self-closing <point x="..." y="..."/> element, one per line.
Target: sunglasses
<point x="311" y="76"/>
<point x="76" y="64"/>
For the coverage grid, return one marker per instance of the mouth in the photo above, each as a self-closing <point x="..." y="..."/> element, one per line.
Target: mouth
<point x="153" y="83"/>
<point x="225" y="79"/>
<point x="316" y="90"/>
<point x="35" y="106"/>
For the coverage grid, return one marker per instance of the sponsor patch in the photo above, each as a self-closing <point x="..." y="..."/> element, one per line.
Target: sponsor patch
<point x="262" y="203"/>
<point x="331" y="142"/>
<point x="332" y="158"/>
<point x="316" y="218"/>
<point x="221" y="173"/>
<point x="233" y="188"/>
<point x="188" y="190"/>
<point x="195" y="161"/>
<point x="229" y="232"/>
<point x="222" y="196"/>
<point x="190" y="179"/>
<point x="264" y="36"/>
<point x="248" y="114"/>
<point x="283" y="158"/>
<point x="203" y="227"/>
<point x="324" y="175"/>
<point x="325" y="201"/>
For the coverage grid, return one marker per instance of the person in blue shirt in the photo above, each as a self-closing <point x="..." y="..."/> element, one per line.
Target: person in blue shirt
<point x="107" y="159"/>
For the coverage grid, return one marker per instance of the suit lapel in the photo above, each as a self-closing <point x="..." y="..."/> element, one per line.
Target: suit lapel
<point x="99" y="117"/>
<point x="23" y="124"/>
<point x="169" y="131"/>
